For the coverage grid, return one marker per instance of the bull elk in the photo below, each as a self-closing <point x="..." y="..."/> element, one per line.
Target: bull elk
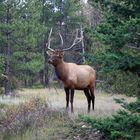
<point x="73" y="76"/>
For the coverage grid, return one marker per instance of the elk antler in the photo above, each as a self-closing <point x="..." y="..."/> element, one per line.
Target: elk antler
<point x="61" y="39"/>
<point x="49" y="40"/>
<point x="76" y="40"/>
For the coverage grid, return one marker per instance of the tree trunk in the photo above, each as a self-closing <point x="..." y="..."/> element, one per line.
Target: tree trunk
<point x="41" y="77"/>
<point x="46" y="67"/>
<point x="25" y="83"/>
<point x="7" y="51"/>
<point x="83" y="47"/>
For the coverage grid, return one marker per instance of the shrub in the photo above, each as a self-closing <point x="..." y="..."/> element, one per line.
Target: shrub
<point x="120" y="82"/>
<point x="124" y="125"/>
<point x="17" y="119"/>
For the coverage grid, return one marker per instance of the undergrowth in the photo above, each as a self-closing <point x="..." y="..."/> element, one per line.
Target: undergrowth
<point x="124" y="125"/>
<point x="32" y="120"/>
<point x="19" y="118"/>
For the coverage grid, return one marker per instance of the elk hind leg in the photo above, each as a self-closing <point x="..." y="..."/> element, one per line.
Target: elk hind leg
<point x="92" y="96"/>
<point x="71" y="99"/>
<point x="86" y="91"/>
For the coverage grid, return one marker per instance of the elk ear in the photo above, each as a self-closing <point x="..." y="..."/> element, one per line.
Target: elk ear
<point x="61" y="54"/>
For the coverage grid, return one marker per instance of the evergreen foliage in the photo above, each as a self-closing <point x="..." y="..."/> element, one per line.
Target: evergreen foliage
<point x="119" y="37"/>
<point x="116" y="55"/>
<point x="125" y="124"/>
<point x="24" y="26"/>
<point x="24" y="33"/>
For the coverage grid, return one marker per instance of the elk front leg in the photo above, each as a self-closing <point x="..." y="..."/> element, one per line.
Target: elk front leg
<point x="67" y="98"/>
<point x="71" y="99"/>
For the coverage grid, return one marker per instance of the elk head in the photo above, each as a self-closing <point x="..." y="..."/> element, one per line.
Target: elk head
<point x="56" y="56"/>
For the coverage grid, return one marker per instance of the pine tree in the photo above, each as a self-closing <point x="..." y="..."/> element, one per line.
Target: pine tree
<point x="118" y="33"/>
<point x="21" y="33"/>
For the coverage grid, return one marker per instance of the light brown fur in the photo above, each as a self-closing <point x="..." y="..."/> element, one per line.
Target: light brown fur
<point x="76" y="76"/>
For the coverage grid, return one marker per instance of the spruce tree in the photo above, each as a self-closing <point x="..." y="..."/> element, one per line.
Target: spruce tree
<point x="21" y="33"/>
<point x="119" y="40"/>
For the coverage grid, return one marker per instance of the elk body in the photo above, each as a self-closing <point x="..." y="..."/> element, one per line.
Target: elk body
<point x="74" y="77"/>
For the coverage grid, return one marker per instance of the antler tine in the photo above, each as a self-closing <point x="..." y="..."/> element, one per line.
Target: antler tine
<point x="49" y="40"/>
<point x="62" y="42"/>
<point x="76" y="40"/>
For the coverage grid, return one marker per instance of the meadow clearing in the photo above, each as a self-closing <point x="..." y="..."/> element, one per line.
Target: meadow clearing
<point x="55" y="98"/>
<point x="57" y="125"/>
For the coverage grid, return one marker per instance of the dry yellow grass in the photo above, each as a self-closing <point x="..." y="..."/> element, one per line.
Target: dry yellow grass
<point x="104" y="103"/>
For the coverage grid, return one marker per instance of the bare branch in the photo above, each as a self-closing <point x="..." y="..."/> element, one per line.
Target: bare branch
<point x="133" y="47"/>
<point x="18" y="2"/>
<point x="138" y="34"/>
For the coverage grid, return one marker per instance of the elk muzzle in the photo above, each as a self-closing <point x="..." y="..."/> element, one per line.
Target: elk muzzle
<point x="50" y="61"/>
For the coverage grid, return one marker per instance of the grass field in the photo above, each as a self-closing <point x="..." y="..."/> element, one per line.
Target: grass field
<point x="55" y="98"/>
<point x="56" y="124"/>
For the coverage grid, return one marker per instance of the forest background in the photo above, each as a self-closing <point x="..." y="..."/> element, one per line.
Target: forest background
<point x="111" y="41"/>
<point x="111" y="45"/>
